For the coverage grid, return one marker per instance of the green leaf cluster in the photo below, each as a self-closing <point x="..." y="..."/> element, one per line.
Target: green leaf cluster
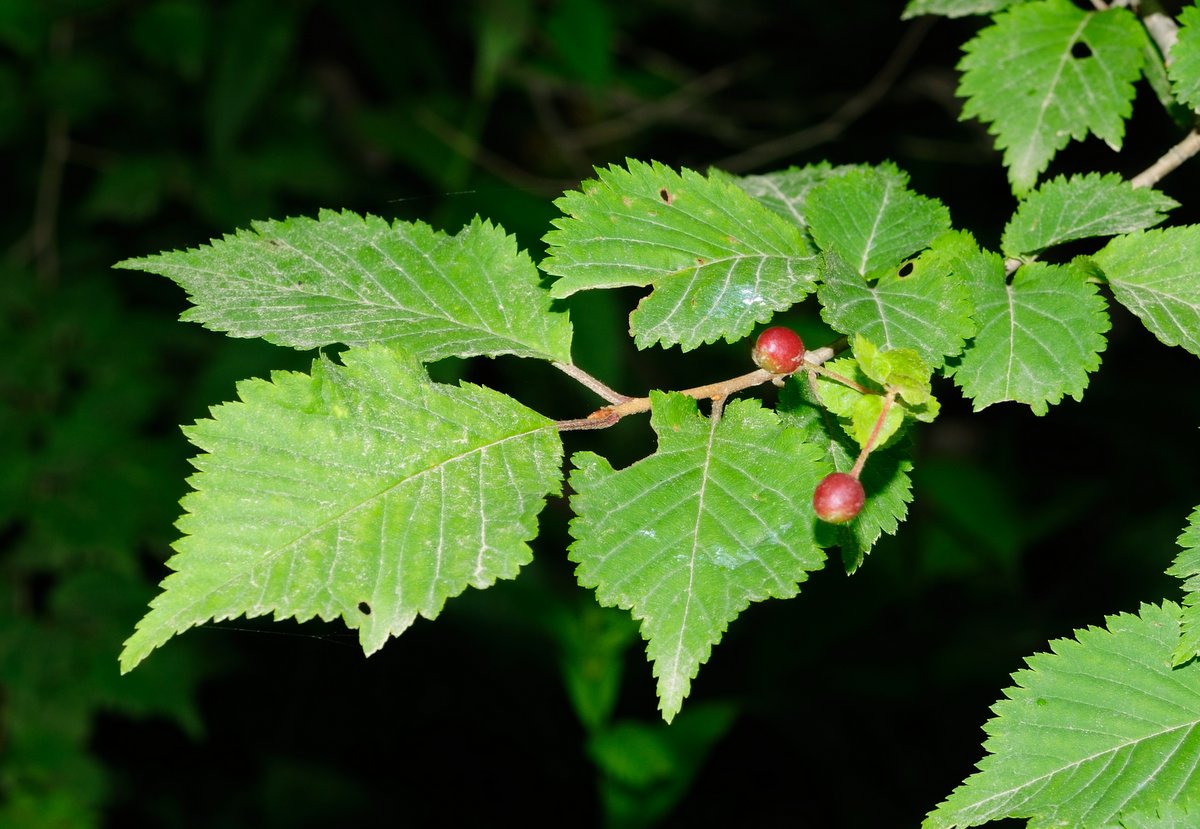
<point x="1099" y="732"/>
<point x="375" y="494"/>
<point x="363" y="490"/>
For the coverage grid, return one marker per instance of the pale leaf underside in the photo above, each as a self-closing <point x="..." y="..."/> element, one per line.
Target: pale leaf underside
<point x="1039" y="336"/>
<point x="719" y="261"/>
<point x="1101" y="727"/>
<point x="1079" y="208"/>
<point x="720" y="516"/>
<point x="363" y="491"/>
<point x="343" y="278"/>
<point x="786" y="191"/>
<point x="1156" y="275"/>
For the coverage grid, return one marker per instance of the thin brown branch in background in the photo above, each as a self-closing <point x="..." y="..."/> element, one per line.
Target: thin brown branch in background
<point x="43" y="235"/>
<point x="854" y="108"/>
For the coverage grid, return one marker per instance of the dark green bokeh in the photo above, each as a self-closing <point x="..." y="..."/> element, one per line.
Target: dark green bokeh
<point x="133" y="127"/>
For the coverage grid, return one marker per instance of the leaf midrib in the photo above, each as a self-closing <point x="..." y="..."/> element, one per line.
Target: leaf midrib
<point x="1009" y="793"/>
<point x="282" y="549"/>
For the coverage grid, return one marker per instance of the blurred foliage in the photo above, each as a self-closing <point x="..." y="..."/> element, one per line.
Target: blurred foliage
<point x="136" y="126"/>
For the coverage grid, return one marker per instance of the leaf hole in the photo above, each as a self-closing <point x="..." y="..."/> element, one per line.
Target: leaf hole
<point x="1081" y="50"/>
<point x="665" y="195"/>
<point x="364" y="608"/>
<point x="905" y="270"/>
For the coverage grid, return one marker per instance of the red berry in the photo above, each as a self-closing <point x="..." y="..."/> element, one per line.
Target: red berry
<point x="778" y="350"/>
<point x="838" y="498"/>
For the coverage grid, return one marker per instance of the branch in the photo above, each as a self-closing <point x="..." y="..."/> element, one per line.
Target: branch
<point x="43" y="235"/>
<point x="636" y="405"/>
<point x="1164" y="30"/>
<point x="581" y="376"/>
<point x="596" y="420"/>
<point x="468" y="148"/>
<point x="854" y="108"/>
<point x="1173" y="157"/>
<point x="717" y="392"/>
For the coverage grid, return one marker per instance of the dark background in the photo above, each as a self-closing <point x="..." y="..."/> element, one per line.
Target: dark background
<point x="133" y="127"/>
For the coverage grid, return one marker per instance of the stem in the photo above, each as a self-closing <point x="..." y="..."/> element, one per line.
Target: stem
<point x="44" y="233"/>
<point x="851" y="110"/>
<point x="845" y="381"/>
<point x="596" y="420"/>
<point x="718" y="407"/>
<point x="623" y="405"/>
<point x="581" y="376"/>
<point x="723" y="389"/>
<point x="1163" y="29"/>
<point x="888" y="400"/>
<point x="1173" y="157"/>
<point x="822" y="355"/>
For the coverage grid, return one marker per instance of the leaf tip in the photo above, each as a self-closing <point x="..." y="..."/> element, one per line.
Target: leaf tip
<point x="133" y="653"/>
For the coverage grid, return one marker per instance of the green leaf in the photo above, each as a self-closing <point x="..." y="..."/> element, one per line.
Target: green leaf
<point x="1166" y="816"/>
<point x="720" y="516"/>
<point x="1047" y="72"/>
<point x="859" y="412"/>
<point x="1187" y="567"/>
<point x="1039" y="336"/>
<point x="582" y="32"/>
<point x="501" y="30"/>
<point x="1156" y="275"/>
<point x="342" y="278"/>
<point x="1081" y="207"/>
<point x="785" y="191"/>
<point x="646" y="768"/>
<point x="363" y="491"/>
<point x="255" y="39"/>
<point x="593" y="643"/>
<point x="174" y="34"/>
<point x="870" y="218"/>
<point x="901" y="369"/>
<point x="719" y="261"/>
<point x="885" y="477"/>
<point x="924" y="306"/>
<point x="1184" y="67"/>
<point x="1100" y="726"/>
<point x="955" y="8"/>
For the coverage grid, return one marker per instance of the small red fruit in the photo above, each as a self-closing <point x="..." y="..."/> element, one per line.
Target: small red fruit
<point x="838" y="498"/>
<point x="778" y="350"/>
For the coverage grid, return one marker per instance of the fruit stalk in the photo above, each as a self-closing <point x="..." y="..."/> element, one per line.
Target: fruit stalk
<point x="888" y="400"/>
